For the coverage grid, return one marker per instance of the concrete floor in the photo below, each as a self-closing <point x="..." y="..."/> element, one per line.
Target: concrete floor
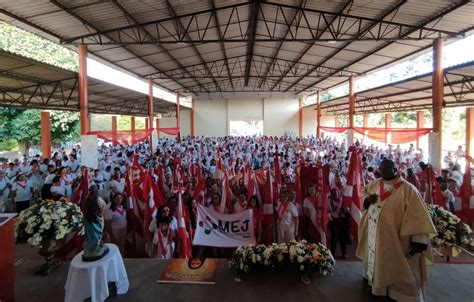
<point x="449" y="282"/>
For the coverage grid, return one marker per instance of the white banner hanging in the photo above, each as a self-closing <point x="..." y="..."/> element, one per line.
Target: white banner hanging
<point x="223" y="230"/>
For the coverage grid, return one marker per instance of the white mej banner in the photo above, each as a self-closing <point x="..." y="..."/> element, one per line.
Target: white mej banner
<point x="89" y="152"/>
<point x="223" y="230"/>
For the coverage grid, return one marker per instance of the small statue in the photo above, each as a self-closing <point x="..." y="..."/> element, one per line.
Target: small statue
<point x="94" y="248"/>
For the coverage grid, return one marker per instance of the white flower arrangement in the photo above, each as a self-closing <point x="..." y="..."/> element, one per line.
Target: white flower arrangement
<point x="48" y="220"/>
<point x="306" y="257"/>
<point x="451" y="230"/>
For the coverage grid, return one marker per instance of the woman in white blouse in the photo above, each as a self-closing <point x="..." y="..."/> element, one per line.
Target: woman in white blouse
<point x="115" y="217"/>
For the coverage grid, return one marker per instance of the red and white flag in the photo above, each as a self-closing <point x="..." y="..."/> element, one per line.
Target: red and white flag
<point x="352" y="191"/>
<point x="184" y="242"/>
<point x="268" y="205"/>
<point x="226" y="201"/>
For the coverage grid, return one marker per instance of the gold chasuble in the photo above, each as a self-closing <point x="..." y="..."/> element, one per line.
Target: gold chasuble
<point x="385" y="231"/>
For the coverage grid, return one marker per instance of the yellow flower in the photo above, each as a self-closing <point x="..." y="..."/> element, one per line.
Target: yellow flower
<point x="318" y="256"/>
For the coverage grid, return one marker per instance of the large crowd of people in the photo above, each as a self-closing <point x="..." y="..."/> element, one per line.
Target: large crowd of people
<point x="25" y="181"/>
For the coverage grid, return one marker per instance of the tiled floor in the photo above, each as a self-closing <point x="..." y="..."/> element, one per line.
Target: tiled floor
<point x="448" y="282"/>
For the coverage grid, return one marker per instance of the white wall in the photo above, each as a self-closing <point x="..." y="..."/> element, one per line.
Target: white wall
<point x="309" y="120"/>
<point x="280" y="116"/>
<point x="212" y="117"/>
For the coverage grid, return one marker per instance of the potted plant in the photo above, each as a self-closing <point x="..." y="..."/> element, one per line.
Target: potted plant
<point x="49" y="224"/>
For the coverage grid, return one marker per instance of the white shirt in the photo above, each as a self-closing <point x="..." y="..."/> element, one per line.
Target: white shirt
<point x="119" y="185"/>
<point x="289" y="215"/>
<point x="23" y="191"/>
<point x="117" y="219"/>
<point x="59" y="190"/>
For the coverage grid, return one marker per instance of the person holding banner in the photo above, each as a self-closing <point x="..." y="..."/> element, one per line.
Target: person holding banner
<point x="287" y="227"/>
<point x="163" y="238"/>
<point x="314" y="230"/>
<point x="257" y="217"/>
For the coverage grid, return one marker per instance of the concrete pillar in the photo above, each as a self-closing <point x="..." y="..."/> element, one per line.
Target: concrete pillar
<point x="300" y="117"/>
<point x="178" y="115"/>
<point x="438" y="95"/>
<point x="470" y="132"/>
<point x="351" y="110"/>
<point x="388" y="125"/>
<point x="147" y="122"/>
<point x="83" y="90"/>
<point x="318" y="114"/>
<point x="420" y="123"/>
<point x="192" y="117"/>
<point x="45" y="134"/>
<point x="114" y="128"/>
<point x="157" y="126"/>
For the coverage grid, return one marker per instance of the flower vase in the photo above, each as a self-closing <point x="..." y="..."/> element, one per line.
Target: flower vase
<point x="49" y="248"/>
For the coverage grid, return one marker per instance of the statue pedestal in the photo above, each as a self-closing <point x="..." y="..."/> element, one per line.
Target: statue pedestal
<point x="7" y="268"/>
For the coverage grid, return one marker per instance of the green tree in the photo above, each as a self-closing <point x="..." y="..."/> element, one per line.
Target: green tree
<point x="404" y="119"/>
<point x="123" y="123"/>
<point x="30" y="45"/>
<point x="24" y="126"/>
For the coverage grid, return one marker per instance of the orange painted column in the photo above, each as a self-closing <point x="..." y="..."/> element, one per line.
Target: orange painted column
<point x="420" y="123"/>
<point x="83" y="90"/>
<point x="318" y="115"/>
<point x="45" y="134"/>
<point x="192" y="117"/>
<point x="150" y="103"/>
<point x="351" y="109"/>
<point x="438" y="95"/>
<point x="300" y="117"/>
<point x="178" y="115"/>
<point x="132" y="127"/>
<point x="146" y="123"/>
<point x="157" y="126"/>
<point x="114" y="129"/>
<point x="388" y="125"/>
<point x="470" y="131"/>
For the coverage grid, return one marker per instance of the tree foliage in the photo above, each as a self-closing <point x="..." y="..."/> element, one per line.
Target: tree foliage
<point x="27" y="44"/>
<point x="24" y="126"/>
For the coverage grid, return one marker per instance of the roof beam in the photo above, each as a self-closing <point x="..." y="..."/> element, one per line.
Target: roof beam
<point x="193" y="46"/>
<point x="128" y="15"/>
<point x="254" y="11"/>
<point x="406" y="33"/>
<point x="221" y="44"/>
<point x="288" y="31"/>
<point x="368" y="28"/>
<point x="261" y="64"/>
<point x="346" y="6"/>
<point x="383" y="30"/>
<point x="91" y="26"/>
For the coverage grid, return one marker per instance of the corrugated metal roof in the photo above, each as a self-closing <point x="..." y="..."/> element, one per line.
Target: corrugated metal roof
<point x="117" y="21"/>
<point x="413" y="93"/>
<point x="25" y="83"/>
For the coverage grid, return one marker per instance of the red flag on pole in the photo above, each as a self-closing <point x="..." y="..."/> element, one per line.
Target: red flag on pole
<point x="185" y="249"/>
<point x="226" y="194"/>
<point x="268" y="205"/>
<point x="434" y="191"/>
<point x="466" y="213"/>
<point x="351" y="198"/>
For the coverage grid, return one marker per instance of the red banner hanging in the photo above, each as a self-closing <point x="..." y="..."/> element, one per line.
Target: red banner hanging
<point x="131" y="137"/>
<point x="396" y="135"/>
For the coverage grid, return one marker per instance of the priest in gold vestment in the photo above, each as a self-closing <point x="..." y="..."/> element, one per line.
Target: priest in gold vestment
<point x="394" y="237"/>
